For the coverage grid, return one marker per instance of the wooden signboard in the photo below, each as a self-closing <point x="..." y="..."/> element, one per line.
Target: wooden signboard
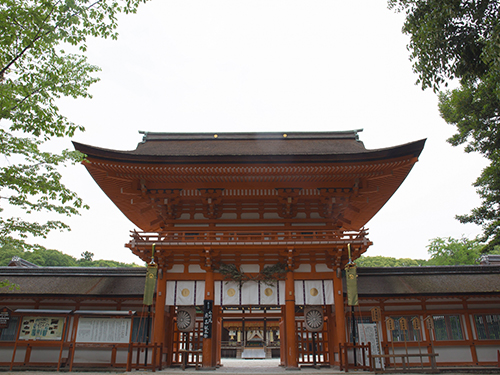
<point x="403" y="324"/>
<point x="429" y="322"/>
<point x="207" y="318"/>
<point x="415" y="322"/>
<point x="390" y="324"/>
<point x="4" y="318"/>
<point x="376" y="314"/>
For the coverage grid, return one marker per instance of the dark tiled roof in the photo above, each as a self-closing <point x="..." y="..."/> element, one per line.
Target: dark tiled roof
<point x="443" y="280"/>
<point x="328" y="146"/>
<point x="20" y="262"/>
<point x="490" y="259"/>
<point x="176" y="144"/>
<point x="398" y="281"/>
<point x="75" y="281"/>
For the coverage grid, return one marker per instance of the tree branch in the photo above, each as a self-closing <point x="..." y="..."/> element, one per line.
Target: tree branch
<point x="38" y="35"/>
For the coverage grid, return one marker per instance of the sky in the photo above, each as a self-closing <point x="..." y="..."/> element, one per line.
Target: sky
<point x="269" y="65"/>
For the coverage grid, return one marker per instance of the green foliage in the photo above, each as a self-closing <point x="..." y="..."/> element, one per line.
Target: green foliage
<point x="232" y="273"/>
<point x="7" y="284"/>
<point x="380" y="261"/>
<point x="475" y="110"/>
<point x="7" y="252"/>
<point x="53" y="258"/>
<point x="452" y="39"/>
<point x="50" y="258"/>
<point x="103" y="263"/>
<point x="451" y="251"/>
<point x="442" y="251"/>
<point x="34" y="73"/>
<point x="87" y="255"/>
<point x="273" y="273"/>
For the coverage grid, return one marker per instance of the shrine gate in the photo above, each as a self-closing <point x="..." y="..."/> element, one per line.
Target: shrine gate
<point x="251" y="233"/>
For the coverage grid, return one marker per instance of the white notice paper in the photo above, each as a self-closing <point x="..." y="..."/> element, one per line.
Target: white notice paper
<point x="103" y="330"/>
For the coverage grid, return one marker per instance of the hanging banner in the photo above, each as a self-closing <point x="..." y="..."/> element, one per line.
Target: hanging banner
<point x="149" y="287"/>
<point x="185" y="293"/>
<point x="207" y="318"/>
<point x="313" y="292"/>
<point x="352" y="285"/>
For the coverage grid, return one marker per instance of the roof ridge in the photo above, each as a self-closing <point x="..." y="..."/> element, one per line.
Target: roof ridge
<point x="174" y="136"/>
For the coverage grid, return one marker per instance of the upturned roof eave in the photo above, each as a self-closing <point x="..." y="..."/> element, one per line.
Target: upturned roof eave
<point x="412" y="149"/>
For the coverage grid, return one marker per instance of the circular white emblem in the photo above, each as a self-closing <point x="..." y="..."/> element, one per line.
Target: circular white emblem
<point x="314" y="318"/>
<point x="183" y="319"/>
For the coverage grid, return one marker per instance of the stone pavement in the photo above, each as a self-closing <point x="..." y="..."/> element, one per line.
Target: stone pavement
<point x="230" y="366"/>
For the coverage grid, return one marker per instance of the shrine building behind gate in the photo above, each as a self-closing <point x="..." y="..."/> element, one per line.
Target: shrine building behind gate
<point x="253" y="228"/>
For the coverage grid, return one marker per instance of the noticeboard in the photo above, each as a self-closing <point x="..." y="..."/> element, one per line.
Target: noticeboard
<point x="371" y="335"/>
<point x="41" y="328"/>
<point x="104" y="330"/>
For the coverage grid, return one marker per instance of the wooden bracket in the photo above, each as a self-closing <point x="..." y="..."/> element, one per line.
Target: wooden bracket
<point x="209" y="255"/>
<point x="288" y="198"/>
<point x="212" y="199"/>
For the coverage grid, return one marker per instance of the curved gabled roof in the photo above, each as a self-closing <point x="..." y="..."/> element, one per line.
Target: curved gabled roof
<point x="251" y="147"/>
<point x="330" y="173"/>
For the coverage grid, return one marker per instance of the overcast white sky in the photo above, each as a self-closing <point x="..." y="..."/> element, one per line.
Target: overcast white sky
<point x="267" y="65"/>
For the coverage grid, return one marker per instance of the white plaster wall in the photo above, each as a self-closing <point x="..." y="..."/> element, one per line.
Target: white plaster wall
<point x="101" y="355"/>
<point x="50" y="355"/>
<point x="250" y="268"/>
<point x="304" y="268"/>
<point x="176" y="268"/>
<point x="6" y="353"/>
<point x="195" y="268"/>
<point x="487" y="353"/>
<point x="453" y="354"/>
<point x="323" y="268"/>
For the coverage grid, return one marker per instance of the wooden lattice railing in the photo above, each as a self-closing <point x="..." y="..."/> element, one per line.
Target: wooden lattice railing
<point x="219" y="237"/>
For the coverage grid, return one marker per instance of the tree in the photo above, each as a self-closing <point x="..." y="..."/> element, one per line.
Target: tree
<point x="34" y="72"/>
<point x="87" y="255"/>
<point x="50" y="258"/>
<point x="451" y="251"/>
<point x="380" y="261"/>
<point x="451" y="39"/>
<point x="55" y="258"/>
<point x="8" y="252"/>
<point x="460" y="40"/>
